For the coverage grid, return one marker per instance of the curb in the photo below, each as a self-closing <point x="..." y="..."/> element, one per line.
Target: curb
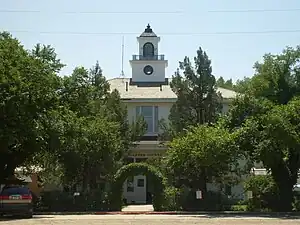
<point x="228" y="213"/>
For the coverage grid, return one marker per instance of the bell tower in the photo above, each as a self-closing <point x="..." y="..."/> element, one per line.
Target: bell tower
<point x="148" y="66"/>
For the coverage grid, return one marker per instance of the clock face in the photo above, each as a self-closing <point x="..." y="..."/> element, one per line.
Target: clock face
<point x="148" y="70"/>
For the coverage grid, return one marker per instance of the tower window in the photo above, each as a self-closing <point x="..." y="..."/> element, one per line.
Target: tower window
<point x="148" y="50"/>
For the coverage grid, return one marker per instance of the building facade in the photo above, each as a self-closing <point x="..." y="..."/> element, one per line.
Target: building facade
<point x="147" y="93"/>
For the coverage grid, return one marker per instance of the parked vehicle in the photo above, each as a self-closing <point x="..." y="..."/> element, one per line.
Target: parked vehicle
<point x="16" y="200"/>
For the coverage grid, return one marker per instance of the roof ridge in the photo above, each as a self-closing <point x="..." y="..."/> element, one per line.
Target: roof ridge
<point x="117" y="78"/>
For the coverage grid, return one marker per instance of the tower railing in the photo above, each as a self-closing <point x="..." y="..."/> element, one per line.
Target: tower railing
<point x="151" y="57"/>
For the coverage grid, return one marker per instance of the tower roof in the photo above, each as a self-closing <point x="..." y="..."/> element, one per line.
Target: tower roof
<point x="148" y="32"/>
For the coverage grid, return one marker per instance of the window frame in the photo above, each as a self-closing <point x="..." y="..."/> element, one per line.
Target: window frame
<point x="154" y="117"/>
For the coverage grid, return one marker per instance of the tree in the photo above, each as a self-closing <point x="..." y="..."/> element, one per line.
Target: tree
<point x="241" y="86"/>
<point x="203" y="155"/>
<point x="274" y="139"/>
<point x="220" y="82"/>
<point x="88" y="96"/>
<point x="48" y="57"/>
<point x="277" y="78"/>
<point x="268" y="127"/>
<point x="28" y="91"/>
<point x="198" y="101"/>
<point x="228" y="84"/>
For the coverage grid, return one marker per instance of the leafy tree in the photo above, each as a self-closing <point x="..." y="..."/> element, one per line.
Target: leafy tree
<point x="87" y="94"/>
<point x="198" y="101"/>
<point x="28" y="90"/>
<point x="268" y="128"/>
<point x="203" y="155"/>
<point x="264" y="192"/>
<point x="277" y="78"/>
<point x="273" y="138"/>
<point x="229" y="84"/>
<point x="48" y="57"/>
<point x="244" y="107"/>
<point x="241" y="86"/>
<point x="220" y="82"/>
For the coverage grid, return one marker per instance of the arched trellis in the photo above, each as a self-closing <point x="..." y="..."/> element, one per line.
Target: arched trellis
<point x="153" y="175"/>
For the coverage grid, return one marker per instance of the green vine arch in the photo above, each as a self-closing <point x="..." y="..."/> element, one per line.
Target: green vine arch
<point x="134" y="169"/>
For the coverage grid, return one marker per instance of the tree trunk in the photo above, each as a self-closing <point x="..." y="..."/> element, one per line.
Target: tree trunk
<point x="285" y="197"/>
<point x="285" y="183"/>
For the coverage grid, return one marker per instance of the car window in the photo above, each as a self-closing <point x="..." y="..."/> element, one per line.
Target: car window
<point x="15" y="190"/>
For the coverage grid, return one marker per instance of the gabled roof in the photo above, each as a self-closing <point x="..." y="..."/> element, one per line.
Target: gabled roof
<point x="152" y="92"/>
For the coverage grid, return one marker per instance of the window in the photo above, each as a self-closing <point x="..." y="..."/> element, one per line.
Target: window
<point x="227" y="190"/>
<point x="148" y="50"/>
<point x="150" y="114"/>
<point x="140" y="183"/>
<point x="128" y="160"/>
<point x="130" y="187"/>
<point x="138" y="160"/>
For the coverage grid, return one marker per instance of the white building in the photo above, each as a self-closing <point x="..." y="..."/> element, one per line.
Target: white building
<point x="148" y="93"/>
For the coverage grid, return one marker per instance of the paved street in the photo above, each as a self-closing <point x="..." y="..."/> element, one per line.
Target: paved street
<point x="145" y="220"/>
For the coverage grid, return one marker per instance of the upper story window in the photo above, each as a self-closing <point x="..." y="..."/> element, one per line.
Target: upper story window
<point x="148" y="50"/>
<point x="150" y="114"/>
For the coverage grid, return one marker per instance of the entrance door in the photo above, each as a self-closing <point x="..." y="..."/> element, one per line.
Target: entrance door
<point x="140" y="189"/>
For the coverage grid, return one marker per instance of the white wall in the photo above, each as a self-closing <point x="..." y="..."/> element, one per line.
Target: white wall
<point x="143" y="40"/>
<point x="225" y="107"/>
<point x="158" y="74"/>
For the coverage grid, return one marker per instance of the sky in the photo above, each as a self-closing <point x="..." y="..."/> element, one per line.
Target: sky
<point x="83" y="32"/>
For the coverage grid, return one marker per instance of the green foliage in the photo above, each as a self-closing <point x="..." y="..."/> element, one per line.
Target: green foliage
<point x="204" y="154"/>
<point x="212" y="201"/>
<point x="75" y="123"/>
<point x="296" y="204"/>
<point x="56" y="201"/>
<point x="198" y="101"/>
<point x="273" y="138"/>
<point x="277" y="77"/>
<point x="47" y="55"/>
<point x="240" y="86"/>
<point x="98" y="135"/>
<point x="228" y="84"/>
<point x="267" y="114"/>
<point x="172" y="199"/>
<point x="264" y="193"/>
<point x="133" y="169"/>
<point x="239" y="208"/>
<point x="244" y="107"/>
<point x="28" y="92"/>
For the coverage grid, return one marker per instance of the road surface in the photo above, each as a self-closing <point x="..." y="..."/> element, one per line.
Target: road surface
<point x="146" y="220"/>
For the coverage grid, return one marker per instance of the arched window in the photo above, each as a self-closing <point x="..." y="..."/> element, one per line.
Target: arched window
<point x="148" y="50"/>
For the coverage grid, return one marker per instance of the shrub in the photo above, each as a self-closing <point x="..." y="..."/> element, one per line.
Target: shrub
<point x="296" y="202"/>
<point x="57" y="201"/>
<point x="172" y="196"/>
<point x="264" y="193"/>
<point x="240" y="208"/>
<point x="212" y="201"/>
